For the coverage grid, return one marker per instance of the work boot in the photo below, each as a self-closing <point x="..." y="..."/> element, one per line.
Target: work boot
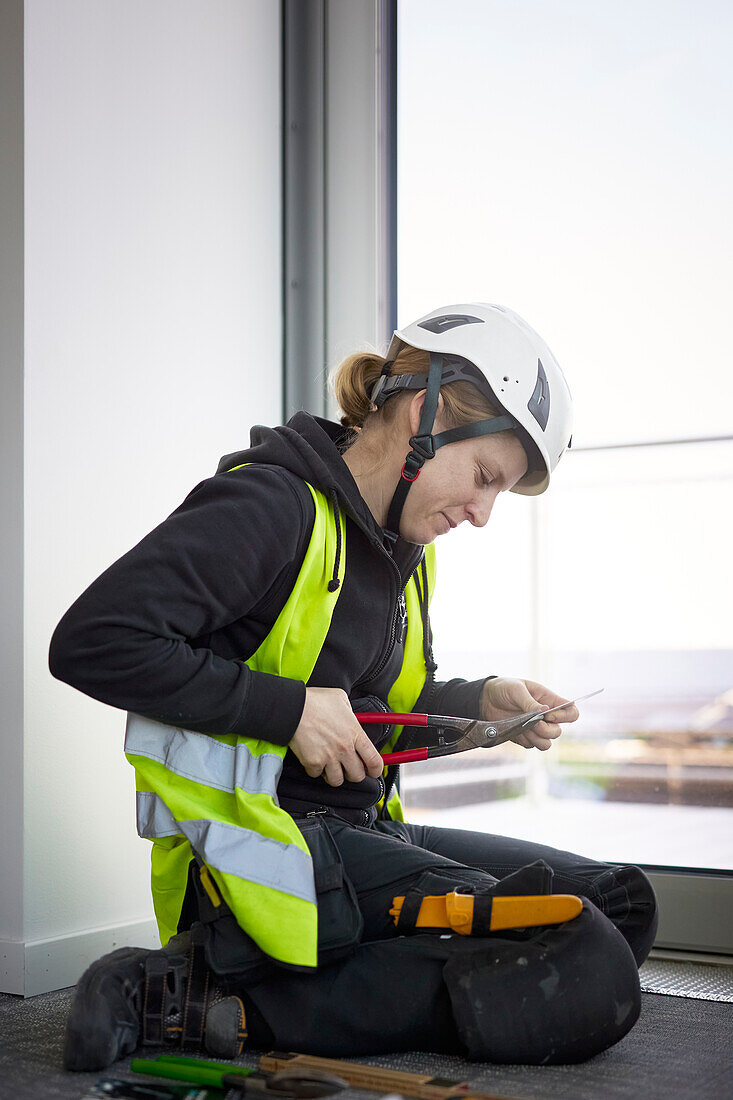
<point x="167" y="998"/>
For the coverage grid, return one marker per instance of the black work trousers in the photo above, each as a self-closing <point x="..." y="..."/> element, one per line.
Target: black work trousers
<point x="555" y="994"/>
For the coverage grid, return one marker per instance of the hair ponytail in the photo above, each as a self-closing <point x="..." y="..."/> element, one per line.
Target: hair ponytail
<point x="353" y="381"/>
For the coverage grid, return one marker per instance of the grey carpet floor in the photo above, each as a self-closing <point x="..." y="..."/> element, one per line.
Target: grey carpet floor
<point x="679" y="1048"/>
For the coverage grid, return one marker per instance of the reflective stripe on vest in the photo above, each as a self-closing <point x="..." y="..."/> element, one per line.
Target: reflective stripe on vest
<point x="239" y="852"/>
<point x="217" y="794"/>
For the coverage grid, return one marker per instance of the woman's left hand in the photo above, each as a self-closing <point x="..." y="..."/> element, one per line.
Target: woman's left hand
<point x="502" y="697"/>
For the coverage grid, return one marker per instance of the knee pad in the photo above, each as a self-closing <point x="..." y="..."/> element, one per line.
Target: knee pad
<point x="627" y="898"/>
<point x="562" y="996"/>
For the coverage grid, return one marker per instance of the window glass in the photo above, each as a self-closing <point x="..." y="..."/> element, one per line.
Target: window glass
<point x="631" y="593"/>
<point x="482" y="608"/>
<point x="574" y="162"/>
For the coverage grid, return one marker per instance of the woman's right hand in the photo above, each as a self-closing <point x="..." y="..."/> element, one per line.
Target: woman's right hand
<point x="329" y="740"/>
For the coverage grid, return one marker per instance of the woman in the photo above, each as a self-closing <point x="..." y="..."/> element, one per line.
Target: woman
<point x="287" y="592"/>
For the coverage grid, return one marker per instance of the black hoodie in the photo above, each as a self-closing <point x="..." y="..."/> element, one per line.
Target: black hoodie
<point x="164" y="632"/>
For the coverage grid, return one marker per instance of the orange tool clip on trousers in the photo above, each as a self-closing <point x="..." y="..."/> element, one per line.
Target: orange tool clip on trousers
<point x="478" y="914"/>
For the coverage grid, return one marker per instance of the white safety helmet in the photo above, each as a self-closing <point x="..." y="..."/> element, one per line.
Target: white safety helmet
<point x="496" y="350"/>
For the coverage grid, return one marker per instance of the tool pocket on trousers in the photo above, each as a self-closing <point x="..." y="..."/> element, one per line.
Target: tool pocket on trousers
<point x="230" y="952"/>
<point x="340" y="922"/>
<point x="234" y="956"/>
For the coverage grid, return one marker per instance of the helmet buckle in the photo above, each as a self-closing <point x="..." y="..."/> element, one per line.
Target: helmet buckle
<point x="423" y="446"/>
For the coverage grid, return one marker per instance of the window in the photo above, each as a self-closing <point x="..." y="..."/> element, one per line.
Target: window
<point x="573" y="162"/>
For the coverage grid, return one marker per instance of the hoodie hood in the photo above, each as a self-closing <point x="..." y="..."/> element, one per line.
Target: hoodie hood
<point x="307" y="446"/>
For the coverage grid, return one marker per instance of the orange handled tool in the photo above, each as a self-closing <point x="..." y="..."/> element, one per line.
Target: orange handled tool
<point x="456" y="911"/>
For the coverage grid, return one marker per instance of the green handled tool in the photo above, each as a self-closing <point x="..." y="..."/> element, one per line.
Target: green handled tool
<point x="283" y="1084"/>
<point x="198" y="1075"/>
<point x="174" y="1059"/>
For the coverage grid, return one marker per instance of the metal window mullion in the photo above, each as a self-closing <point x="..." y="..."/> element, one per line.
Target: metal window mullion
<point x="386" y="167"/>
<point x="304" y="218"/>
<point x="339" y="188"/>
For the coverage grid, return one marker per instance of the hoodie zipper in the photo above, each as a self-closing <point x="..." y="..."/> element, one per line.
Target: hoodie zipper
<point x="398" y="628"/>
<point x="399" y="617"/>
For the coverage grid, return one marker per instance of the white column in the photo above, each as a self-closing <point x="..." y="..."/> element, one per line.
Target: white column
<point x="140" y="198"/>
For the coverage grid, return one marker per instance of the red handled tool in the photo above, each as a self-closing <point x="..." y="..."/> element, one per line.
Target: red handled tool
<point x="458" y="734"/>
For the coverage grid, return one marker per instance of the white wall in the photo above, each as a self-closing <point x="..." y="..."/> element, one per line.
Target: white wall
<point x="152" y="342"/>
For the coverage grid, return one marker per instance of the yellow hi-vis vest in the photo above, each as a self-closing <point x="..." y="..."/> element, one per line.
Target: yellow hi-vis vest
<point x="216" y="794"/>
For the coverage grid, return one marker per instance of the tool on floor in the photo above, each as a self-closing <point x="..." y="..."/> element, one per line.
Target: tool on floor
<point x="304" y="1083"/>
<point x="291" y="1084"/>
<point x="423" y="1085"/>
<point x="472" y="732"/>
<point x="477" y="913"/>
<point x="140" y="1090"/>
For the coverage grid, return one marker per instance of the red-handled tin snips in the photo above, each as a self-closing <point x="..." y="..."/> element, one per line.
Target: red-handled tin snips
<point x="458" y="734"/>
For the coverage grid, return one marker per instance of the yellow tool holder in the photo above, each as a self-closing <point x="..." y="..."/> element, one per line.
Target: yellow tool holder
<point x="455" y="911"/>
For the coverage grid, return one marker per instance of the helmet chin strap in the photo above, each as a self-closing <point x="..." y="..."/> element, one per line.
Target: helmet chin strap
<point x="425" y="444"/>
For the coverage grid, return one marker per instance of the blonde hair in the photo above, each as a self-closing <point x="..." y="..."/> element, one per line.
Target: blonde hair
<point x="354" y="379"/>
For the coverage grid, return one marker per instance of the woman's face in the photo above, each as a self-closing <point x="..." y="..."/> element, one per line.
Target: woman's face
<point x="461" y="483"/>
